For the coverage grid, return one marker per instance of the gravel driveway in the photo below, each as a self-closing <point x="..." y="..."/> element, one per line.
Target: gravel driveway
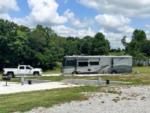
<point x="130" y="100"/>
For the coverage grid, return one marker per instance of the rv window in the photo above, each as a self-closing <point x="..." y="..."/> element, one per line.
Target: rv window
<point x="82" y="64"/>
<point x="70" y="63"/>
<point x="94" y="63"/>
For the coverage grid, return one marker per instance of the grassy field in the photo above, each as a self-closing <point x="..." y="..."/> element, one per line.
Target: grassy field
<point x="139" y="76"/>
<point x="27" y="101"/>
<point x="141" y="70"/>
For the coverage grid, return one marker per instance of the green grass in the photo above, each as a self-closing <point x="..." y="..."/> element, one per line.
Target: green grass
<point x="141" y="70"/>
<point x="139" y="76"/>
<point x="26" y="101"/>
<point x="131" y="80"/>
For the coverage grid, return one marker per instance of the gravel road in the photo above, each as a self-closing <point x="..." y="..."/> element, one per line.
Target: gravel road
<point x="130" y="100"/>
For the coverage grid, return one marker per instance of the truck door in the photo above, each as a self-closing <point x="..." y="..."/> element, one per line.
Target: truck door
<point x="21" y="70"/>
<point x="28" y="70"/>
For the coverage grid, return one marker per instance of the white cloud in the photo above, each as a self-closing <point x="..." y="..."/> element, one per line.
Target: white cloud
<point x="148" y="34"/>
<point x="5" y="16"/>
<point x="112" y="21"/>
<point x="115" y="23"/>
<point x="65" y="31"/>
<point x="45" y="10"/>
<point x="147" y="31"/>
<point x="115" y="38"/>
<point x="139" y="8"/>
<point x="74" y="21"/>
<point x="42" y="12"/>
<point x="8" y="5"/>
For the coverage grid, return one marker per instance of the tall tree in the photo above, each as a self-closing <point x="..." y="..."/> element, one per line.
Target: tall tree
<point x="123" y="41"/>
<point x="138" y="35"/>
<point x="100" y="46"/>
<point x="86" y="45"/>
<point x="138" y="47"/>
<point x="72" y="46"/>
<point x="145" y="48"/>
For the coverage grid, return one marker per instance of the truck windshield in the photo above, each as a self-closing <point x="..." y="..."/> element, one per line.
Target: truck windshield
<point x="28" y="67"/>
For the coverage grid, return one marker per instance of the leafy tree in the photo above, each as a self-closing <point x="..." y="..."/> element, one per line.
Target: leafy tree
<point x="72" y="46"/>
<point x="39" y="43"/>
<point x="100" y="46"/>
<point x="86" y="45"/>
<point x="123" y="41"/>
<point x="145" y="48"/>
<point x="138" y="35"/>
<point x="12" y="43"/>
<point x="139" y="45"/>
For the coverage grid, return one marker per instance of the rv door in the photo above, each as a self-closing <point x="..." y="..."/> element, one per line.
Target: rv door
<point x="69" y="66"/>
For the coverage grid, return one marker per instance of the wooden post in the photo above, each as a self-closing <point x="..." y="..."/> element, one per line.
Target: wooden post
<point x="6" y="83"/>
<point x="22" y="79"/>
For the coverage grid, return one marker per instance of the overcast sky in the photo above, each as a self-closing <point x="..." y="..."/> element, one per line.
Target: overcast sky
<point x="115" y="18"/>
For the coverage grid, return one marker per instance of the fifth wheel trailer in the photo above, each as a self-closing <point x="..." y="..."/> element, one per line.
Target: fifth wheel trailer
<point x="96" y="64"/>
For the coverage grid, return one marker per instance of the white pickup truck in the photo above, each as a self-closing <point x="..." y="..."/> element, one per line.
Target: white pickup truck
<point x="22" y="70"/>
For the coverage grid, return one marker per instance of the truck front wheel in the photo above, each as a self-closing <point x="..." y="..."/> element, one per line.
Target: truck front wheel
<point x="36" y="73"/>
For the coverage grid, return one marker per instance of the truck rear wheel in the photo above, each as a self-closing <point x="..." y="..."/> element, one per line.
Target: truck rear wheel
<point x="11" y="74"/>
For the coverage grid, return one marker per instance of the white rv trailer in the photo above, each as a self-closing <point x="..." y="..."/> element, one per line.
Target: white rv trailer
<point x="97" y="64"/>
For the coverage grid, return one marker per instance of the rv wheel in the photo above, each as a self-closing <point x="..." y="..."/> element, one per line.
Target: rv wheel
<point x="114" y="72"/>
<point x="74" y="72"/>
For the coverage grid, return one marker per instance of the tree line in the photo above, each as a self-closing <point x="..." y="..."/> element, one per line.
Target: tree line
<point x="139" y="46"/>
<point x="42" y="47"/>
